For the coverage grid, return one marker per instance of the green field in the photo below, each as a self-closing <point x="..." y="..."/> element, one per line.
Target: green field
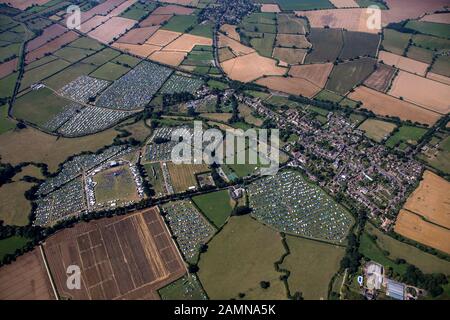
<point x="441" y="160"/>
<point x="215" y="206"/>
<point x="102" y="57"/>
<point x="289" y="5"/>
<point x="326" y="95"/>
<point x="264" y="45"/>
<point x="406" y="134"/>
<point x="394" y="41"/>
<point x="86" y="43"/>
<point x="72" y="54"/>
<point x="38" y="106"/>
<point x="39" y="73"/>
<point x="430" y="42"/>
<point x="5" y="123"/>
<point x="424" y="261"/>
<point x="126" y="60"/>
<point x="312" y="265"/>
<point x="420" y="54"/>
<point x="60" y="79"/>
<point x="377" y="130"/>
<point x="345" y="76"/>
<point x="186" y="288"/>
<point x="368" y="3"/>
<point x="155" y="177"/>
<point x="110" y="71"/>
<point x="435" y="29"/>
<point x="203" y="30"/>
<point x="14" y="207"/>
<point x="138" y="11"/>
<point x="11" y="244"/>
<point x="238" y="258"/>
<point x="442" y="66"/>
<point x="181" y="23"/>
<point x="349" y="103"/>
<point x="217" y="85"/>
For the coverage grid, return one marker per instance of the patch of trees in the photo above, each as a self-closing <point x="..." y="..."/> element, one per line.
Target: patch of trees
<point x="177" y="97"/>
<point x="430" y="282"/>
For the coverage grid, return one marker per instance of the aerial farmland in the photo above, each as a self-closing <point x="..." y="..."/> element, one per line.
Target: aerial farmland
<point x="127" y="136"/>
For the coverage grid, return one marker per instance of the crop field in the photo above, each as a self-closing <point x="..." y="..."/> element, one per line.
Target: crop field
<point x="420" y="54"/>
<point x="136" y="88"/>
<point x="110" y="71"/>
<point x="185" y="288"/>
<point x="289" y="23"/>
<point x="292" y="41"/>
<point x="112" y="29"/>
<point x="101" y="57"/>
<point x="406" y="134"/>
<point x="413" y="226"/>
<point x="115" y="184"/>
<point x="246" y="112"/>
<point x="430" y="28"/>
<point x="426" y="262"/>
<point x="315" y="73"/>
<point x="385" y="105"/>
<point x="289" y="55"/>
<point x="381" y="78"/>
<point x="156" y="178"/>
<point x="183" y="175"/>
<point x="326" y="95"/>
<point x="243" y="253"/>
<point x="311" y="264"/>
<point x="430" y="94"/>
<point x="359" y="44"/>
<point x="51" y="46"/>
<point x="403" y="63"/>
<point x="26" y="279"/>
<point x="290" y="204"/>
<point x="11" y="244"/>
<point x="394" y="41"/>
<point x="37" y="74"/>
<point x="442" y="66"/>
<point x="431" y="199"/>
<point x="138" y="35"/>
<point x="153" y="259"/>
<point x="326" y="45"/>
<point x="377" y="130"/>
<point x="180" y="23"/>
<point x="215" y="206"/>
<point x="188" y="226"/>
<point x="138" y="10"/>
<point x="347" y="75"/>
<point x="291" y="85"/>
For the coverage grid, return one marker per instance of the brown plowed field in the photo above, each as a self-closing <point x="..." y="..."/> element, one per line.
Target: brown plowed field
<point x="92" y="23"/>
<point x="162" y="37"/>
<point x="51" y="46"/>
<point x="231" y="32"/>
<point x="48" y="34"/>
<point x="173" y="9"/>
<point x="438" y="77"/>
<point x="138" y="35"/>
<point x="407" y="9"/>
<point x="124" y="257"/>
<point x="381" y="78"/>
<point x="315" y="73"/>
<point x="414" y="227"/>
<point x="385" y="105"/>
<point x="8" y="67"/>
<point x="431" y="199"/>
<point x="173" y="58"/>
<point x="26" y="279"/>
<point x="292" y="40"/>
<point x="154" y="20"/>
<point x="143" y="50"/>
<point x="344" y="3"/>
<point x="295" y="86"/>
<point x="187" y="42"/>
<point x="437" y="18"/>
<point x="430" y="94"/>
<point x="238" y="48"/>
<point x="24" y="4"/>
<point x="270" y="8"/>
<point x="403" y="63"/>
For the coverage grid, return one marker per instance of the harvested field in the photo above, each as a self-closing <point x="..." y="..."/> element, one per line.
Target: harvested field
<point x="183" y="175"/>
<point x="187" y="42"/>
<point x="412" y="226"/>
<point x="138" y="35"/>
<point x="289" y="56"/>
<point x="92" y="23"/>
<point x="127" y="257"/>
<point x="344" y="4"/>
<point x="168" y="57"/>
<point x="385" y="105"/>
<point x="430" y="94"/>
<point x="431" y="199"/>
<point x="381" y="78"/>
<point x="155" y="20"/>
<point x="292" y="41"/>
<point x="14" y="207"/>
<point x="51" y="46"/>
<point x="347" y="75"/>
<point x="359" y="44"/>
<point x="235" y="46"/>
<point x="49" y="33"/>
<point x="406" y="9"/>
<point x="326" y="45"/>
<point x="221" y="117"/>
<point x="349" y="19"/>
<point x="295" y="86"/>
<point x="377" y="130"/>
<point x="162" y="38"/>
<point x="112" y="29"/>
<point x="270" y="8"/>
<point x="7" y="68"/>
<point x="439" y="78"/>
<point x="250" y="67"/>
<point x="24" y="4"/>
<point x="140" y="50"/>
<point x="225" y="54"/>
<point x="315" y="73"/>
<point x="403" y="63"/>
<point x="173" y="9"/>
<point x="437" y="18"/>
<point x="230" y="31"/>
<point x="26" y="279"/>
